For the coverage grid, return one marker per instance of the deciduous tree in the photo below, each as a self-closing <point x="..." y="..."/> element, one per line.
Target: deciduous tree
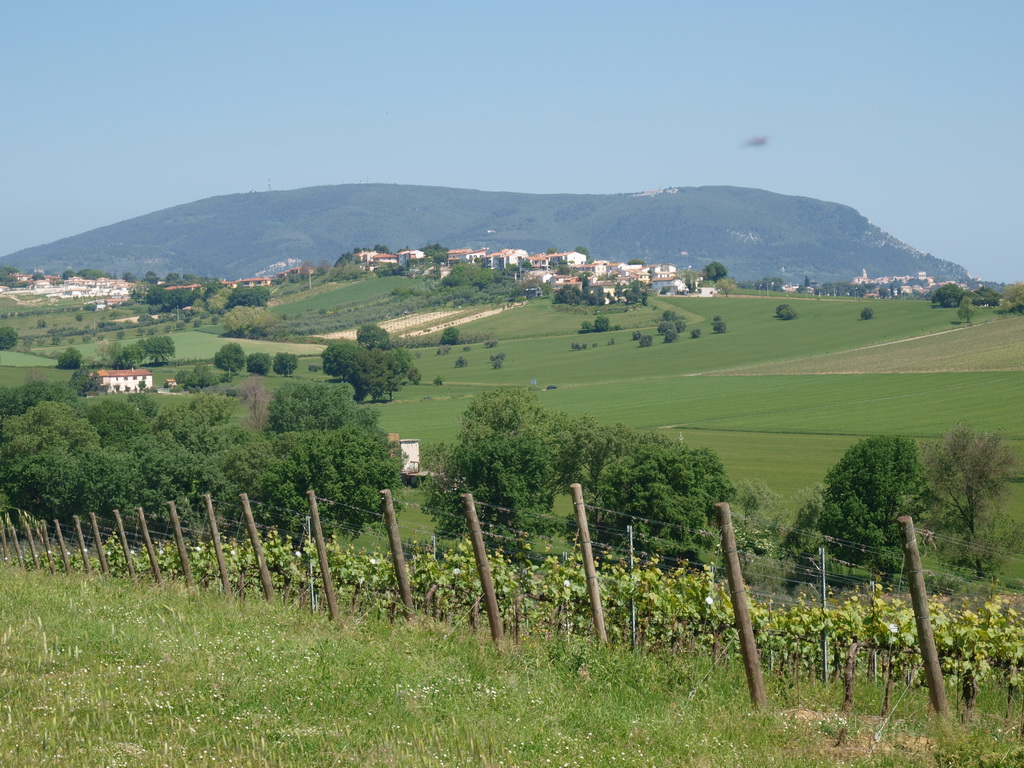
<point x="230" y="358"/>
<point x="876" y="481"/>
<point x="969" y="476"/>
<point x="285" y="363"/>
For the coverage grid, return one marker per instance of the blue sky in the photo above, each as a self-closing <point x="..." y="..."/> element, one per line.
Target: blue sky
<point x="909" y="112"/>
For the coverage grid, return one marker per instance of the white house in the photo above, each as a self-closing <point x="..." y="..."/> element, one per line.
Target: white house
<point x="131" y="380"/>
<point x="669" y="286"/>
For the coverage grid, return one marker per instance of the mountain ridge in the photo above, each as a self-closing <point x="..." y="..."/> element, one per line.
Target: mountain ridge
<point x="754" y="232"/>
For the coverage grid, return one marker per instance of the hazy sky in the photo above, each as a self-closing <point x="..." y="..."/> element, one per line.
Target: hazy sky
<point x="911" y="112"/>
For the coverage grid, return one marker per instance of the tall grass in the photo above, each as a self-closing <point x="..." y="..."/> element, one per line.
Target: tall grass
<point x="99" y="672"/>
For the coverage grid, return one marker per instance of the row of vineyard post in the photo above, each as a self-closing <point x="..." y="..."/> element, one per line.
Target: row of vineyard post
<point x="737" y="589"/>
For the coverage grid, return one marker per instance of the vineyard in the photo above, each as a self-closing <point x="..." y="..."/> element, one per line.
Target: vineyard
<point x="659" y="605"/>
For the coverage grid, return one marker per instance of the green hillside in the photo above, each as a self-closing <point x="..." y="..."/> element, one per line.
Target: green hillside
<point x="756" y="233"/>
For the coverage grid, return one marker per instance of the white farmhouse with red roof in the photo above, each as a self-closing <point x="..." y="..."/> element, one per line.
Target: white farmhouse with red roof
<point x="131" y="380"/>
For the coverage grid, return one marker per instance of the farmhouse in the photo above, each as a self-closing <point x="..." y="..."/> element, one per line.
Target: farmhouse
<point x="131" y="380"/>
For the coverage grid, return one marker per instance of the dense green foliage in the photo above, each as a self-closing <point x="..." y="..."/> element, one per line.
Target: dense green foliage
<point x="515" y="456"/>
<point x="70" y="359"/>
<point x="64" y="456"/>
<point x="877" y="480"/>
<point x="372" y="372"/>
<point x="230" y="358"/>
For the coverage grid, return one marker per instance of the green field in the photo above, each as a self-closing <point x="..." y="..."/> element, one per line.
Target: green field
<point x="22" y="360"/>
<point x="196" y="345"/>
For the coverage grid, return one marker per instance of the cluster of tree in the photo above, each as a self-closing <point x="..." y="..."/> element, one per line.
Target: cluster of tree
<point x="671" y="325"/>
<point x="785" y="312"/>
<point x="157" y="350"/>
<point x="952" y="296"/>
<point x="7" y="273"/>
<point x="167" y="298"/>
<point x="371" y="365"/>
<point x="601" y="324"/>
<point x="516" y="456"/>
<point x="954" y="486"/>
<point x="261" y="363"/>
<point x="63" y="455"/>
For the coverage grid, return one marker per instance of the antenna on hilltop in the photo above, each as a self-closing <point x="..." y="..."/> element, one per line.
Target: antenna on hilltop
<point x="268" y="185"/>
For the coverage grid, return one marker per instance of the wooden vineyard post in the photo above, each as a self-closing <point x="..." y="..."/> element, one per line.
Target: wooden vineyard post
<point x="593" y="588"/>
<point x="81" y="545"/>
<point x="44" y="538"/>
<point x="922" y="616"/>
<point x="99" y="544"/>
<point x="179" y="539"/>
<point x="261" y="560"/>
<point x="17" y="545"/>
<point x="397" y="555"/>
<point x="124" y="544"/>
<point x="3" y="541"/>
<point x="225" y="582"/>
<point x="321" y="556"/>
<point x="154" y="564"/>
<point x="483" y="568"/>
<point x="31" y="541"/>
<point x="738" y="592"/>
<point x="63" y="547"/>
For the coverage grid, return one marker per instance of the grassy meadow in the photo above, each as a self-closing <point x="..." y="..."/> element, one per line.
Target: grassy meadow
<point x="102" y="672"/>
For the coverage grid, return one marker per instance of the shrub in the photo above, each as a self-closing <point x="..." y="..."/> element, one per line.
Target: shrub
<point x="490" y="343"/>
<point x="695" y="333"/>
<point x="718" y="324"/>
<point x="646" y="340"/>
<point x="867" y="313"/>
<point x="461" y="362"/>
<point x="785" y="312"/>
<point x="669" y="335"/>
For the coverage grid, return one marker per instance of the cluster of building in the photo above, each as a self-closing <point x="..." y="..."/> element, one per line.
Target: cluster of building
<point x="919" y="284"/>
<point x="109" y="289"/>
<point x="557" y="269"/>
